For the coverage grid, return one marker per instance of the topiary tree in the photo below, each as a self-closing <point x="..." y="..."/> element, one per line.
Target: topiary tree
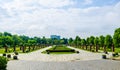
<point x="108" y="42"/>
<point x="96" y="42"/>
<point x="91" y="42"/>
<point x="101" y="41"/>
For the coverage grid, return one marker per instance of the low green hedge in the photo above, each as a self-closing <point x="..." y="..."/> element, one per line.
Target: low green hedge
<point x="60" y="50"/>
<point x="3" y="63"/>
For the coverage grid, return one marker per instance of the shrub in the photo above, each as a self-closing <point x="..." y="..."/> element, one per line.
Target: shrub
<point x="9" y="56"/>
<point x="15" y="57"/>
<point x="106" y="52"/>
<point x="117" y="53"/>
<point x="4" y="54"/>
<point x="93" y="51"/>
<point x="113" y="54"/>
<point x="16" y="53"/>
<point x="27" y="51"/>
<point x="3" y="63"/>
<point x="61" y="50"/>
<point x="48" y="52"/>
<point x="77" y="52"/>
<point x="104" y="57"/>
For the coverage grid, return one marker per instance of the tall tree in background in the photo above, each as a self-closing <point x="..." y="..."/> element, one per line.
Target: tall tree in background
<point x="101" y="42"/>
<point x="108" y="42"/>
<point x="96" y="42"/>
<point x="116" y="38"/>
<point x="91" y="42"/>
<point x="77" y="41"/>
<point x="83" y="43"/>
<point x="70" y="41"/>
<point x="87" y="42"/>
<point x="16" y="41"/>
<point x="6" y="41"/>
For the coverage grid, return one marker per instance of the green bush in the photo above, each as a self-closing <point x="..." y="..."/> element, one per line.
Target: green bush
<point x="15" y="57"/>
<point x="16" y="53"/>
<point x="9" y="56"/>
<point x="77" y="52"/>
<point x="71" y="50"/>
<point x="3" y="63"/>
<point x="4" y="54"/>
<point x="104" y="57"/>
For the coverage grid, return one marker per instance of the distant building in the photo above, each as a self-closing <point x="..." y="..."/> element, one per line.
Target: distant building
<point x="55" y="37"/>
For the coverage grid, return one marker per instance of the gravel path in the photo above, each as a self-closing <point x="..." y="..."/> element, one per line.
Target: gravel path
<point x="74" y="65"/>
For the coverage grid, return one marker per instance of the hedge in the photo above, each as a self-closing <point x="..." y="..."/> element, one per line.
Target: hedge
<point x="60" y="50"/>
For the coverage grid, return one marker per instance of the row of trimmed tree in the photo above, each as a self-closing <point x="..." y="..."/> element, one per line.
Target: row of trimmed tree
<point x="96" y="43"/>
<point x="26" y="43"/>
<point x="7" y="40"/>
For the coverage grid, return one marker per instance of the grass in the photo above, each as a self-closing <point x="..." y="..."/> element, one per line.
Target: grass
<point x="61" y="52"/>
<point x="10" y="50"/>
<point x="117" y="50"/>
<point x="59" y="48"/>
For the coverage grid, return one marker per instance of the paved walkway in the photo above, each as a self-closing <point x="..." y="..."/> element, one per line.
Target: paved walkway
<point x="83" y="55"/>
<point x="75" y="65"/>
<point x="83" y="61"/>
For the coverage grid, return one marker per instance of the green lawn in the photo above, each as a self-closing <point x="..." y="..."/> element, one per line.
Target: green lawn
<point x="10" y="50"/>
<point x="117" y="50"/>
<point x="59" y="48"/>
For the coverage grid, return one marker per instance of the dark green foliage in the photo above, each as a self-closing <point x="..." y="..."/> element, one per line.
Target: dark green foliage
<point x="3" y="63"/>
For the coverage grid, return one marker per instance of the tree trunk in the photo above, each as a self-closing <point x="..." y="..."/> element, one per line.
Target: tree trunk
<point x="90" y="47"/>
<point x="86" y="47"/>
<point x="113" y="48"/>
<point x="6" y="49"/>
<point x="23" y="49"/>
<point x="104" y="48"/>
<point x="33" y="47"/>
<point x="14" y="48"/>
<point x="96" y="48"/>
<point x="29" y="48"/>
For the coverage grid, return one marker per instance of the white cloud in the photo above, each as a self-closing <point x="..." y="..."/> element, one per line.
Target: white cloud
<point x="87" y="2"/>
<point x="55" y="3"/>
<point x="34" y="20"/>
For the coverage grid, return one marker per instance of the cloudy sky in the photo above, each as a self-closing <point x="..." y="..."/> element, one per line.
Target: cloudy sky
<point x="67" y="18"/>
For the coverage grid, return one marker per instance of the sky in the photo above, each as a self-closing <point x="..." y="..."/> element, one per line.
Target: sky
<point x="67" y="18"/>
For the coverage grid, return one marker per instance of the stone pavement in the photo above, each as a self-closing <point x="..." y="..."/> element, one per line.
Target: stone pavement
<point x="72" y="65"/>
<point x="83" y="55"/>
<point x="83" y="61"/>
